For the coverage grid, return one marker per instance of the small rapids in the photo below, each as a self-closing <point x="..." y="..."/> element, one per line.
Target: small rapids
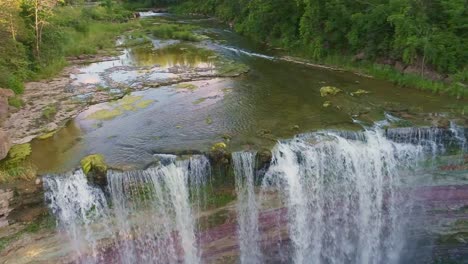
<point x="331" y="197"/>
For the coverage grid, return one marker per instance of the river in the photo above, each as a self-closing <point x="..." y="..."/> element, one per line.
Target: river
<point x="374" y="178"/>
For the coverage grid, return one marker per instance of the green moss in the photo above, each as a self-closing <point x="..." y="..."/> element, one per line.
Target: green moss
<point x="327" y="104"/>
<point x="95" y="162"/>
<point x="219" y="146"/>
<point x="209" y="121"/>
<point x="19" y="153"/>
<point x="47" y="135"/>
<point x="118" y="107"/>
<point x="199" y="101"/>
<point x="49" y="112"/>
<point x="175" y="31"/>
<point x="359" y="92"/>
<point x="15" y="101"/>
<point x="188" y="86"/>
<point x="16" y="165"/>
<point x="230" y="68"/>
<point x="105" y="114"/>
<point x="329" y="90"/>
<point x="128" y="99"/>
<point x="127" y="107"/>
<point x="144" y="103"/>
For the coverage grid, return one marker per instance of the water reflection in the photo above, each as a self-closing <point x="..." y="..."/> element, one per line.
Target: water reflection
<point x="170" y="56"/>
<point x="56" y="152"/>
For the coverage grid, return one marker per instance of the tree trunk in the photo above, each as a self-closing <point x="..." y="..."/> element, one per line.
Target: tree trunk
<point x="36" y="26"/>
<point x="12" y="28"/>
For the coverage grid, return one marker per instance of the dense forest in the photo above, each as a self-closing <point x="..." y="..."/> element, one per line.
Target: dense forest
<point x="426" y="40"/>
<point x="429" y="35"/>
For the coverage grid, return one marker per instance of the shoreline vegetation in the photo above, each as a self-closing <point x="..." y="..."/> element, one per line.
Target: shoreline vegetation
<point x="69" y="29"/>
<point x="412" y="44"/>
<point x="65" y="31"/>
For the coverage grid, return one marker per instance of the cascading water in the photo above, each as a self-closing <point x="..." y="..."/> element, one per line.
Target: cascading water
<point x="80" y="209"/>
<point x="247" y="211"/>
<point x="327" y="197"/>
<point x="342" y="195"/>
<point x="149" y="217"/>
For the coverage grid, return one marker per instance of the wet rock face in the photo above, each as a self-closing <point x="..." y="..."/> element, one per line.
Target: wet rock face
<point x="414" y="135"/>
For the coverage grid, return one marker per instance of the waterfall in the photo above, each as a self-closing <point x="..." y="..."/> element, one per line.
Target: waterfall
<point x="79" y="209"/>
<point x="247" y="211"/>
<point x="148" y="213"/>
<point x="342" y="195"/>
<point x="327" y="197"/>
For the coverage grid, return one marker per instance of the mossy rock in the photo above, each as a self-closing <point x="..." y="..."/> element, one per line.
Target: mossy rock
<point x="360" y="92"/>
<point x="264" y="158"/>
<point x="18" y="153"/>
<point x="219" y="155"/>
<point x="327" y="104"/>
<point x="329" y="90"/>
<point x="95" y="168"/>
<point x="188" y="86"/>
<point x="105" y="114"/>
<point x="47" y="135"/>
<point x="219" y="146"/>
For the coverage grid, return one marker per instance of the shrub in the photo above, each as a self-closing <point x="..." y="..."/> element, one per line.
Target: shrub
<point x="15" y="101"/>
<point x="15" y="84"/>
<point x="49" y="112"/>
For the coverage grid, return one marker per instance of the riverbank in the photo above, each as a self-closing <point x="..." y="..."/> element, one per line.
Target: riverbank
<point x="345" y="36"/>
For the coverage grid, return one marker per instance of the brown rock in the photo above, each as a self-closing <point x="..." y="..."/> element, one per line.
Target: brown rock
<point x="5" y="198"/>
<point x="6" y="93"/>
<point x="399" y="66"/>
<point x="360" y="56"/>
<point x="412" y="70"/>
<point x="5" y="144"/>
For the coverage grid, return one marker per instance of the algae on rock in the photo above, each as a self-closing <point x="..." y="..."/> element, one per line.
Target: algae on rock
<point x="329" y="90"/>
<point x="95" y="168"/>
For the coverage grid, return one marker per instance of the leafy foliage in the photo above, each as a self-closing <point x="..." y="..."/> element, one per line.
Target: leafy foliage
<point x="427" y="35"/>
<point x="37" y="35"/>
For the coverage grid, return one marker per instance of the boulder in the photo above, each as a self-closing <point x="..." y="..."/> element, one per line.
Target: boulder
<point x="327" y="104"/>
<point x="329" y="90"/>
<point x="360" y="92"/>
<point x="360" y="56"/>
<point x="95" y="168"/>
<point x="5" y="144"/>
<point x="218" y="154"/>
<point x="7" y="93"/>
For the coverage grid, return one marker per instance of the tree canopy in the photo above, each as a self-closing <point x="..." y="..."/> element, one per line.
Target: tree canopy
<point x="420" y="32"/>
